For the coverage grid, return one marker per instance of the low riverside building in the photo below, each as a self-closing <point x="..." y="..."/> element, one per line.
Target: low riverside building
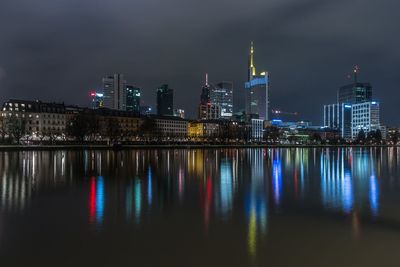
<point x="37" y="118"/>
<point x="128" y="121"/>
<point x="203" y="129"/>
<point x="41" y="120"/>
<point x="170" y="126"/>
<point x="105" y="123"/>
<point x="256" y="129"/>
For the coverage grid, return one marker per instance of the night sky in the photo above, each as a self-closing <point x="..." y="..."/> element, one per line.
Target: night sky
<point x="57" y="50"/>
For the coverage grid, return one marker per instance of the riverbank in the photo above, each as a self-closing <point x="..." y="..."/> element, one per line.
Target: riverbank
<point x="168" y="146"/>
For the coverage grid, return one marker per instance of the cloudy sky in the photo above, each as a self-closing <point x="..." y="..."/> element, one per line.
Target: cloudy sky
<point x="57" y="50"/>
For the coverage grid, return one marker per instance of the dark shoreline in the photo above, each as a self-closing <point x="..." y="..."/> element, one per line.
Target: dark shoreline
<point x="174" y="146"/>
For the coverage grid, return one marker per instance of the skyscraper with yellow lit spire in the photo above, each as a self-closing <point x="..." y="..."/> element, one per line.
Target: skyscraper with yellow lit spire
<point x="257" y="90"/>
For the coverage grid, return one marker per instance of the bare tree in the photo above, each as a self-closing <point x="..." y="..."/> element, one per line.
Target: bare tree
<point x="113" y="129"/>
<point x="17" y="128"/>
<point x="3" y="128"/>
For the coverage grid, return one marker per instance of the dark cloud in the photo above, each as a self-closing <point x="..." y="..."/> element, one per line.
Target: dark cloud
<point x="58" y="50"/>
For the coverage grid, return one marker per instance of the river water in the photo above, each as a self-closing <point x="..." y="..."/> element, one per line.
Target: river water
<point x="195" y="207"/>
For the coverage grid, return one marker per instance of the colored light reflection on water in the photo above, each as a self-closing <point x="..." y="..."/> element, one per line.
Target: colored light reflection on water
<point x="99" y="200"/>
<point x="250" y="205"/>
<point x="149" y="187"/>
<point x="373" y="195"/>
<point x="226" y="190"/>
<point x="277" y="180"/>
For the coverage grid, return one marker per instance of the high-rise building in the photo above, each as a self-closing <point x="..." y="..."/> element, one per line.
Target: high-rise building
<point x="114" y="90"/>
<point x="165" y="100"/>
<point x="208" y="109"/>
<point x="205" y="96"/>
<point x="97" y="100"/>
<point x="178" y="112"/>
<point x="133" y="98"/>
<point x="257" y="90"/>
<point x="366" y="117"/>
<point x="338" y="117"/>
<point x="222" y="95"/>
<point x="355" y="92"/>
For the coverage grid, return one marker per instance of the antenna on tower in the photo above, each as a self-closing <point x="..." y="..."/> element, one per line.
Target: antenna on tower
<point x="356" y="70"/>
<point x="206" y="79"/>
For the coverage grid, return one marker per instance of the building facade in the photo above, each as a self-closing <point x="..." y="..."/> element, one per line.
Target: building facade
<point x="165" y="101"/>
<point x="222" y="95"/>
<point x="366" y="117"/>
<point x="37" y="118"/>
<point x="203" y="129"/>
<point x="128" y="122"/>
<point x="114" y="91"/>
<point x="338" y="117"/>
<point x="256" y="129"/>
<point x="133" y="99"/>
<point x="171" y="126"/>
<point x="355" y="93"/>
<point x="209" y="111"/>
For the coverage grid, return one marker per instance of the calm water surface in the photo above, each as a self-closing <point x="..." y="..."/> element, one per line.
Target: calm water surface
<point x="217" y="207"/>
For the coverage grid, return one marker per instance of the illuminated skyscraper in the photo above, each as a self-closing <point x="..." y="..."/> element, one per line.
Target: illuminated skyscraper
<point x="222" y="95"/>
<point x="97" y="100"/>
<point x="114" y="90"/>
<point x="257" y="90"/>
<point x="205" y="92"/>
<point x="165" y="100"/>
<point x="133" y="98"/>
<point x="208" y="109"/>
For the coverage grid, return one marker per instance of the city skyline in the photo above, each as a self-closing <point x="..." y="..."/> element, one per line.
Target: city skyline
<point x="301" y="56"/>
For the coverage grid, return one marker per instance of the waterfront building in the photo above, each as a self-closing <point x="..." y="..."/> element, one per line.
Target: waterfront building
<point x="384" y="132"/>
<point x="114" y="92"/>
<point x="165" y="101"/>
<point x="37" y="118"/>
<point x="128" y="122"/>
<point x="257" y="90"/>
<point x="338" y="117"/>
<point x="195" y="129"/>
<point x="222" y="96"/>
<point x="203" y="129"/>
<point x="133" y="99"/>
<point x="366" y="117"/>
<point x="256" y="129"/>
<point x="170" y="126"/>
